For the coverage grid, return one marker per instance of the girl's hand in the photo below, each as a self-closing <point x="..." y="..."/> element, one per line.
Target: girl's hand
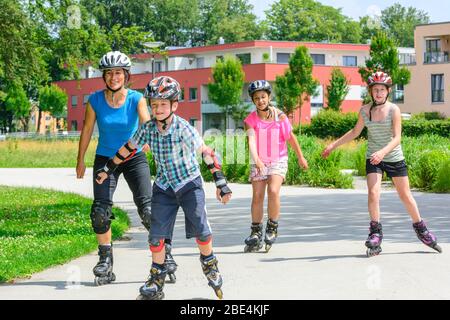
<point x="327" y="151"/>
<point x="377" y="157"/>
<point x="303" y="163"/>
<point x="81" y="169"/>
<point x="260" y="167"/>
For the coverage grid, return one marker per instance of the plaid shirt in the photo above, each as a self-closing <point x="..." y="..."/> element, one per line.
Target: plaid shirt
<point x="174" y="151"/>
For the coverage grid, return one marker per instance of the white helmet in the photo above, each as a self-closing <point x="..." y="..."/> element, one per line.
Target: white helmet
<point x="115" y="59"/>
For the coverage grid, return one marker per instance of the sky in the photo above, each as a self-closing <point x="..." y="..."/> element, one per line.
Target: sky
<point x="438" y="10"/>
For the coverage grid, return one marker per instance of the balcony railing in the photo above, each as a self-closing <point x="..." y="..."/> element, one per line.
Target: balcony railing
<point x="407" y="58"/>
<point x="436" y="57"/>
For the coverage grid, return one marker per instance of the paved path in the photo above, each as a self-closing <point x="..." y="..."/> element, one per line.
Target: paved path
<point x="319" y="254"/>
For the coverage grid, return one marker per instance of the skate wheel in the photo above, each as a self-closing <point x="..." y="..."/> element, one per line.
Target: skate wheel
<point x="219" y="293"/>
<point x="247" y="249"/>
<point x="373" y="252"/>
<point x="268" y="246"/>
<point x="158" y="296"/>
<point x="437" y="248"/>
<point x="172" y="278"/>
<point x="113" y="277"/>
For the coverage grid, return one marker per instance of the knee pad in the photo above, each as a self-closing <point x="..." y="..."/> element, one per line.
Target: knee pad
<point x="204" y="240"/>
<point x="101" y="216"/>
<point x="146" y="214"/>
<point x="156" y="246"/>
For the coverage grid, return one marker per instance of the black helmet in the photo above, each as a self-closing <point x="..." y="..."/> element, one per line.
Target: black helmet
<point x="163" y="87"/>
<point x="259" y="85"/>
<point x="115" y="59"/>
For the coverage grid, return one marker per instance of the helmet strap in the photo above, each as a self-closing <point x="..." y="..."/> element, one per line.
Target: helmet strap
<point x="164" y="121"/>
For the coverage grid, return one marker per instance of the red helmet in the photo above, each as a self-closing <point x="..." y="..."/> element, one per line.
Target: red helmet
<point x="379" y="77"/>
<point x="163" y="87"/>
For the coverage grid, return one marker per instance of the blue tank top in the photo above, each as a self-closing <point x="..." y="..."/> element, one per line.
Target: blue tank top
<point x="115" y="125"/>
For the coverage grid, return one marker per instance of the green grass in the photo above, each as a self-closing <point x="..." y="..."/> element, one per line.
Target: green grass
<point x="43" y="153"/>
<point x="41" y="228"/>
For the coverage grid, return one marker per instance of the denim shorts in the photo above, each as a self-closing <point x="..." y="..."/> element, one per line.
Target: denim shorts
<point x="392" y="169"/>
<point x="165" y="205"/>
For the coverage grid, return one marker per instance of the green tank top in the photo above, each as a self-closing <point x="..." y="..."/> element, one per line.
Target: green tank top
<point x="379" y="135"/>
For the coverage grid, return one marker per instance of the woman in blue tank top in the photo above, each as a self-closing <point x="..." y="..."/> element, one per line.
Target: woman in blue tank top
<point x="118" y="112"/>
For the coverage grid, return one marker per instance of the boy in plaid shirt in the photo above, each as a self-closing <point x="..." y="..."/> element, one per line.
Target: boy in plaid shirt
<point x="174" y="144"/>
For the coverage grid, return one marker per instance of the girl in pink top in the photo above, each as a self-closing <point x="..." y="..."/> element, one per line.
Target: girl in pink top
<point x="268" y="129"/>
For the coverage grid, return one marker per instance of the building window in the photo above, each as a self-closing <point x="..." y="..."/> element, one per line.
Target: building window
<point x="87" y="73"/>
<point x="74" y="125"/>
<point x="318" y="58"/>
<point x="437" y="88"/>
<point x="85" y="99"/>
<point x="200" y="62"/>
<point x="245" y="58"/>
<point x="350" y="61"/>
<point x="398" y="93"/>
<point x="74" y="101"/>
<point x="192" y="94"/>
<point x="219" y="58"/>
<point x="158" y="66"/>
<point x="181" y="95"/>
<point x="283" y="57"/>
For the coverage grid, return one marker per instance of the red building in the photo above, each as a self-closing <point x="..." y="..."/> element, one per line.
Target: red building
<point x="192" y="68"/>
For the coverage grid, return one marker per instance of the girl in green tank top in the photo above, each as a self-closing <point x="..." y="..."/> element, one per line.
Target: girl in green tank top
<point x="384" y="154"/>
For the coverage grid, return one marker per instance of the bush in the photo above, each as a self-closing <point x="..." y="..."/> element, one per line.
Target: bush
<point x="418" y="127"/>
<point x="329" y="123"/>
<point x="322" y="172"/>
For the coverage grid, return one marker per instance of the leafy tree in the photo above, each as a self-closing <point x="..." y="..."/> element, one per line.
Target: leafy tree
<point x="337" y="90"/>
<point x="17" y="103"/>
<point x="226" y="90"/>
<point x="400" y="22"/>
<point x="286" y="92"/>
<point x="300" y="65"/>
<point x="309" y="20"/>
<point x="51" y="99"/>
<point x="232" y="20"/>
<point x="384" y="56"/>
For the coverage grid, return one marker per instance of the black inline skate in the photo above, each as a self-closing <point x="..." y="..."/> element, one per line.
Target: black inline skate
<point x="170" y="264"/>
<point x="271" y="234"/>
<point x="103" y="269"/>
<point x="211" y="271"/>
<point x="254" y="241"/>
<point x="153" y="287"/>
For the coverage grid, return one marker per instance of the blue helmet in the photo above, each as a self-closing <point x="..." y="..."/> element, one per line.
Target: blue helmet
<point x="259" y="85"/>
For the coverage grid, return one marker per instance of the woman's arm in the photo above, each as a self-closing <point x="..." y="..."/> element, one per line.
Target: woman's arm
<point x="85" y="138"/>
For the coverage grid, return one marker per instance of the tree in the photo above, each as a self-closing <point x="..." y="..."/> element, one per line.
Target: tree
<point x="226" y="90"/>
<point x="232" y="20"/>
<point x="309" y="20"/>
<point x="400" y="22"/>
<point x="51" y="99"/>
<point x="337" y="90"/>
<point x="300" y="65"/>
<point x="286" y="92"/>
<point x="17" y="103"/>
<point x="384" y="57"/>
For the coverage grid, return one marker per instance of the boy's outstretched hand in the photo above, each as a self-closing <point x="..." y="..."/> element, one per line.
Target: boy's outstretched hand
<point x="225" y="198"/>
